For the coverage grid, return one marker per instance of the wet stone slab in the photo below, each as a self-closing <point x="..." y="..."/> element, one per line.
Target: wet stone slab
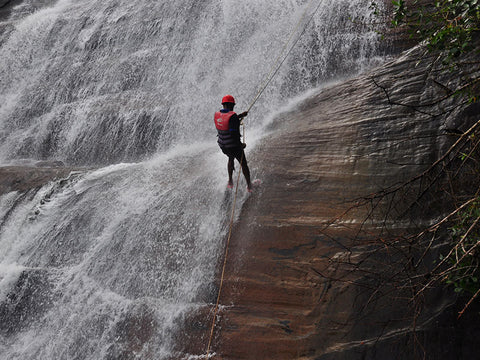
<point x="25" y="178"/>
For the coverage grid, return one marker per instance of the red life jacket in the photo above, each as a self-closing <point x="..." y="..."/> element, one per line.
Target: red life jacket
<point x="222" y="120"/>
<point x="227" y="138"/>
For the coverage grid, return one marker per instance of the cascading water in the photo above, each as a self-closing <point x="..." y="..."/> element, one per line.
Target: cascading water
<point x="105" y="264"/>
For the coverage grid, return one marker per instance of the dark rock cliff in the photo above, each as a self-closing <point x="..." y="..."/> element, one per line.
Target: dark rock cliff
<point x="308" y="276"/>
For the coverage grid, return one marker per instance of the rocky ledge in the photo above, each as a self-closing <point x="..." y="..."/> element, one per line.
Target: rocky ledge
<point x="24" y="178"/>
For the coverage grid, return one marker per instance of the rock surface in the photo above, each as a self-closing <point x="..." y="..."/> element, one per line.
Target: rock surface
<point x="24" y="178"/>
<point x="293" y="286"/>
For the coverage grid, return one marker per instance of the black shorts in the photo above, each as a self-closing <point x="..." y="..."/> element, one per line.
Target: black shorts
<point x="236" y="153"/>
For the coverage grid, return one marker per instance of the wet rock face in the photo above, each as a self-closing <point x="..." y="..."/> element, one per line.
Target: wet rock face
<point x="305" y="277"/>
<point x="4" y="3"/>
<point x="30" y="297"/>
<point x="5" y="11"/>
<point x="9" y="16"/>
<point x="24" y="178"/>
<point x="132" y="333"/>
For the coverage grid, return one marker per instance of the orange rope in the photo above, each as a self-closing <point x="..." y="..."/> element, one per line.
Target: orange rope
<point x="225" y="259"/>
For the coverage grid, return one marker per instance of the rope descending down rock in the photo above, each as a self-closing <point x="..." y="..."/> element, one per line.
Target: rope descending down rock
<point x="272" y="73"/>
<point x="225" y="256"/>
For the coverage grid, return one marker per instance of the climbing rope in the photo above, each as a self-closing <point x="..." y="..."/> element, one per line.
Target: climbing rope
<point x="273" y="72"/>
<point x="232" y="217"/>
<point x="277" y="64"/>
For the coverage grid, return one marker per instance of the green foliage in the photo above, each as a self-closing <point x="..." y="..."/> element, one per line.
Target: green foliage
<point x="465" y="259"/>
<point x="447" y="25"/>
<point x="399" y="11"/>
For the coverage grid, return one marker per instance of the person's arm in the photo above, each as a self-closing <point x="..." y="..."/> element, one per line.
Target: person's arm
<point x="242" y="115"/>
<point x="235" y="123"/>
<point x="235" y="128"/>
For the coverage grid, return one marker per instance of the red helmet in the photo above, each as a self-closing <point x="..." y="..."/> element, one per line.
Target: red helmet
<point x="228" y="99"/>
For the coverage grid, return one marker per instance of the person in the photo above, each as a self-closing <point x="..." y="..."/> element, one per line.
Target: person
<point x="227" y="123"/>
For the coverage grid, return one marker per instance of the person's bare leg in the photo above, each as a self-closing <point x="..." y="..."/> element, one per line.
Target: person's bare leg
<point x="231" y="167"/>
<point x="246" y="173"/>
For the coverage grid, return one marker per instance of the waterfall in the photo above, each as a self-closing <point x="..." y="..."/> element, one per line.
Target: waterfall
<point x="106" y="263"/>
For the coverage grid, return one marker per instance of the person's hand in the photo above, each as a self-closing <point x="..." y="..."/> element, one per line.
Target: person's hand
<point x="242" y="115"/>
<point x="244" y="146"/>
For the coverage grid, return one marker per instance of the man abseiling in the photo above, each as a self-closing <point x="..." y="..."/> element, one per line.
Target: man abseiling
<point x="227" y="123"/>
